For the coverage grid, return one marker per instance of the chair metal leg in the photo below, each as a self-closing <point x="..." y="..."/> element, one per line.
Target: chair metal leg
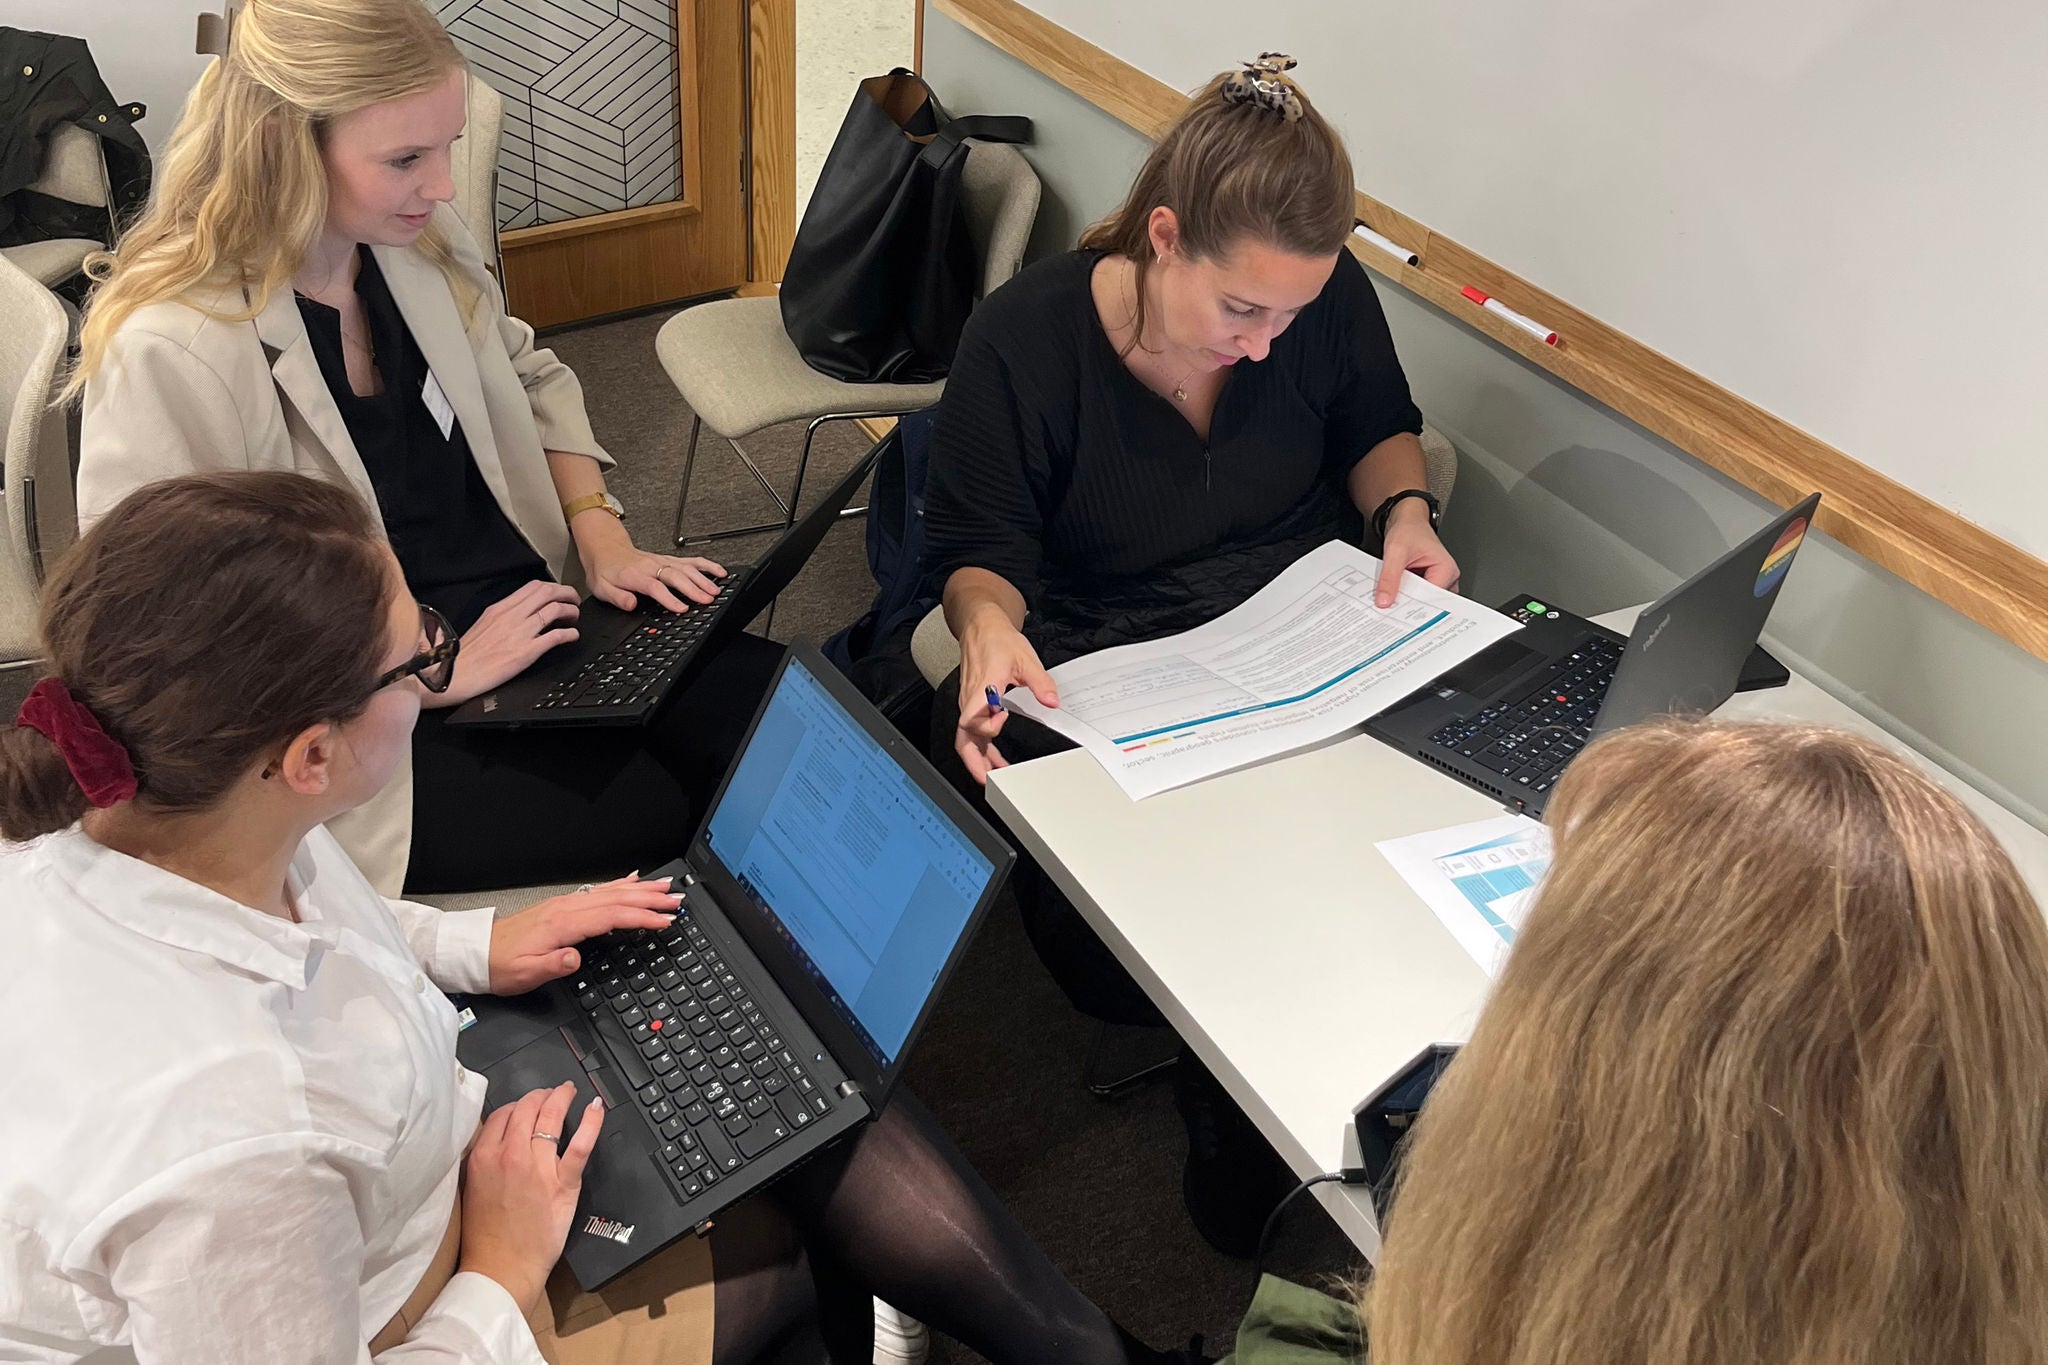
<point x="788" y="508"/>
<point x="1125" y="1056"/>
<point x="760" y="477"/>
<point x="689" y="463"/>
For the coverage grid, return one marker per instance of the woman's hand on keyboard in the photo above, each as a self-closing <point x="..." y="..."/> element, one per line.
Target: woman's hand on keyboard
<point x="519" y="1195"/>
<point x="621" y="573"/>
<point x="513" y="631"/>
<point x="538" y="944"/>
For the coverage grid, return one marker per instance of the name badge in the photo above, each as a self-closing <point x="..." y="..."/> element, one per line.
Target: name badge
<point x="437" y="404"/>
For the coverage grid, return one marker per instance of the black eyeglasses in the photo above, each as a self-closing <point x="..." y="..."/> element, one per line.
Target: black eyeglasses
<point x="434" y="665"/>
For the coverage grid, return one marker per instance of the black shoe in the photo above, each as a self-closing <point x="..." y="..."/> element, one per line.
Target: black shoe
<point x="1138" y="1353"/>
<point x="1233" y="1179"/>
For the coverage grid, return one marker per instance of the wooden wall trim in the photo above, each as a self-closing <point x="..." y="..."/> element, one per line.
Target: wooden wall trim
<point x="513" y="239"/>
<point x="771" y="137"/>
<point x="1944" y="554"/>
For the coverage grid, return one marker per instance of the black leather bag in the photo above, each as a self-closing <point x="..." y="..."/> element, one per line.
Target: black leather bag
<point x="883" y="272"/>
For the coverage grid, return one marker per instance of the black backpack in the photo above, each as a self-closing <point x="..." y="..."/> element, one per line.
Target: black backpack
<point x="875" y="650"/>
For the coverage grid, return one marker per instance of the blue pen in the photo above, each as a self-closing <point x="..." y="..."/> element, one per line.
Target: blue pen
<point x="995" y="701"/>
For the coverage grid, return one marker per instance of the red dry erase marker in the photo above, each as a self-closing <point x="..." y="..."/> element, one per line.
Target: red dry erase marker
<point x="1527" y="324"/>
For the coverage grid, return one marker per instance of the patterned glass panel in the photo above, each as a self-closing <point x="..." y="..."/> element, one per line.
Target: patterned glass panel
<point x="593" y="111"/>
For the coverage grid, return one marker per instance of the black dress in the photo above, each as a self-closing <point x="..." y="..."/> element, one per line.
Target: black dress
<point x="506" y="808"/>
<point x="1055" y="467"/>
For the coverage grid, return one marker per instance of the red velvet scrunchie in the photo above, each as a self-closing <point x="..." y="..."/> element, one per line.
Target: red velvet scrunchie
<point x="96" y="759"/>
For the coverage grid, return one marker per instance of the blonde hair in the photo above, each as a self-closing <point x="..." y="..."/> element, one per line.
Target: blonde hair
<point x="242" y="192"/>
<point x="1232" y="170"/>
<point x="1764" y="1082"/>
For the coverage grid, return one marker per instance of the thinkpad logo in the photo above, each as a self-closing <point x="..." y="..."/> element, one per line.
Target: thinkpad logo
<point x="1652" y="638"/>
<point x="622" y="1233"/>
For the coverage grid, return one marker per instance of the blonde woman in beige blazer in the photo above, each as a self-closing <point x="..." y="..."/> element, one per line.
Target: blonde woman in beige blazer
<point x="300" y="296"/>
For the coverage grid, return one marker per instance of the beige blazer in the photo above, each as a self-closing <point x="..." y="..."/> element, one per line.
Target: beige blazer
<point x="182" y="392"/>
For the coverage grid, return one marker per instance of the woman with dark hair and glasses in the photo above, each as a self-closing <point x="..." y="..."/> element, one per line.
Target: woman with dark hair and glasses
<point x="240" y="1126"/>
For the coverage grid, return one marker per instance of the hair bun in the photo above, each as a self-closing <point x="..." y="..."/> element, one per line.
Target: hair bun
<point x="1264" y="84"/>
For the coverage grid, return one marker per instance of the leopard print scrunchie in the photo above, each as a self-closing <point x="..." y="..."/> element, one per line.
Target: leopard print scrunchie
<point x="1263" y="86"/>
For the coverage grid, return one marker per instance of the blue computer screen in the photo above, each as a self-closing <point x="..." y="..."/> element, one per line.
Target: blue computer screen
<point x="871" y="884"/>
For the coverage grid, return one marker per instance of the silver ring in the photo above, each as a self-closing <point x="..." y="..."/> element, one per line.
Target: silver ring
<point x="550" y="1137"/>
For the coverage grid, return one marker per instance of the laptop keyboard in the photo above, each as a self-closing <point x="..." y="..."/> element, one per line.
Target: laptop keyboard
<point x="640" y="667"/>
<point x="710" y="1073"/>
<point x="1528" y="740"/>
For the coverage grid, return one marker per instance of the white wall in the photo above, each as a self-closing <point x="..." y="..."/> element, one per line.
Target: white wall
<point x="1830" y="207"/>
<point x="143" y="47"/>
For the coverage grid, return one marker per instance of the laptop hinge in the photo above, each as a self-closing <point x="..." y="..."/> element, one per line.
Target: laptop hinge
<point x="846" y="1090"/>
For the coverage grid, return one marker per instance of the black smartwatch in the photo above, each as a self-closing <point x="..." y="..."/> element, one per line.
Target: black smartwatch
<point x="1386" y="509"/>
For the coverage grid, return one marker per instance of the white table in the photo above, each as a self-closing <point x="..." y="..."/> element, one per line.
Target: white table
<point x="1256" y="913"/>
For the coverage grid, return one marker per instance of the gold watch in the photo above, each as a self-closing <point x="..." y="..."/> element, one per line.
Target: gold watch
<point x="589" y="500"/>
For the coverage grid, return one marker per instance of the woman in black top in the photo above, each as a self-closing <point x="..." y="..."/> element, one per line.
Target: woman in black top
<point x="496" y="807"/>
<point x="1137" y="436"/>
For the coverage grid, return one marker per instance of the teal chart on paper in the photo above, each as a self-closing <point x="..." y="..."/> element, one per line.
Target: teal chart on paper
<point x="1479" y="879"/>
<point x="1497" y="877"/>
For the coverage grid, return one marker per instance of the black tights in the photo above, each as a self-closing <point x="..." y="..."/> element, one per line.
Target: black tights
<point x="894" y="1212"/>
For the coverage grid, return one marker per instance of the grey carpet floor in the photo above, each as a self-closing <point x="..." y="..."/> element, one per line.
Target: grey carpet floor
<point x="1096" y="1183"/>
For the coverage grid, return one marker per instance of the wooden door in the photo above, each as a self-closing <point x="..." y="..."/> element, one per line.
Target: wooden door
<point x="620" y="171"/>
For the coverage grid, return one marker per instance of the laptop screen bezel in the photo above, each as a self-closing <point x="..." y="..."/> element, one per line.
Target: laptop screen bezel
<point x="750" y="919"/>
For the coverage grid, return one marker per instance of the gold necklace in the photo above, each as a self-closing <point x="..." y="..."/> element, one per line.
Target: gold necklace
<point x="1180" y="390"/>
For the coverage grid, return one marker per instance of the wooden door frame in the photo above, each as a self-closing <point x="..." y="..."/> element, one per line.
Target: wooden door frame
<point x="771" y="138"/>
<point x="547" y="268"/>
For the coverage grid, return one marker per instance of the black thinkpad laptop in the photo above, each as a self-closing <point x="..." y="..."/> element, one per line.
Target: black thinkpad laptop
<point x="825" y="901"/>
<point x="623" y="665"/>
<point x="1509" y="719"/>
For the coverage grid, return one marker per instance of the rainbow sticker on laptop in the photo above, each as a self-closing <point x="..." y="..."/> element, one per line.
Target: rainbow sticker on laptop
<point x="1780" y="558"/>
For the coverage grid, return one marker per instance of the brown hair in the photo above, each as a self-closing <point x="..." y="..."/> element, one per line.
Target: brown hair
<point x="1230" y="171"/>
<point x="1765" y="1080"/>
<point x="204" y="621"/>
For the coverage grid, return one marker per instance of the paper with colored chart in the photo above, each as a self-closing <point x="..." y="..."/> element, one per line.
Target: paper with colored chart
<point x="1307" y="657"/>
<point x="1478" y="878"/>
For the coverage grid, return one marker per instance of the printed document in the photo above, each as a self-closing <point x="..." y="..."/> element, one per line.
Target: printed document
<point x="1307" y="657"/>
<point x="1478" y="878"/>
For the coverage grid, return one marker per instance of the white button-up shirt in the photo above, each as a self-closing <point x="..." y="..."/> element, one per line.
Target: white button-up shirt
<point x="230" y="1138"/>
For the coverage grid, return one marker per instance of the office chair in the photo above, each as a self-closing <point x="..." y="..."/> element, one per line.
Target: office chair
<point x="75" y="170"/>
<point x="41" y="517"/>
<point x="739" y="372"/>
<point x="473" y="161"/>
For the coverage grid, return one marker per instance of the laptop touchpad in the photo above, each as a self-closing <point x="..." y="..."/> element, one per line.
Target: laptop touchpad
<point x="543" y="1063"/>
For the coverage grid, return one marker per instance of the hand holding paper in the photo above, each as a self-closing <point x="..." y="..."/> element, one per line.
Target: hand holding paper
<point x="1307" y="657"/>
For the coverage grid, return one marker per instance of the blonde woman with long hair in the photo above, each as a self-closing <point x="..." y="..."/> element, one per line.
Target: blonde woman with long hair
<point x="1764" y="1082"/>
<point x="298" y="295"/>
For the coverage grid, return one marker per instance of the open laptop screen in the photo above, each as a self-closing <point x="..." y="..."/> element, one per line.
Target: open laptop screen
<point x="870" y="884"/>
